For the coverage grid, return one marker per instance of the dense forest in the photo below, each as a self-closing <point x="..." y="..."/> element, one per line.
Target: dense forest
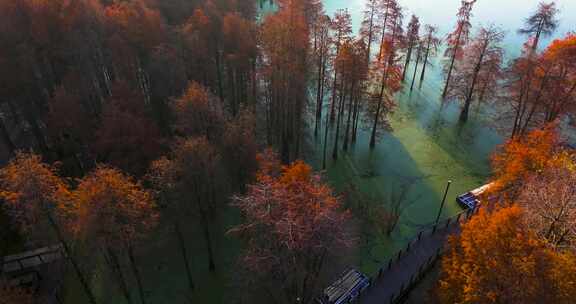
<point x="133" y="129"/>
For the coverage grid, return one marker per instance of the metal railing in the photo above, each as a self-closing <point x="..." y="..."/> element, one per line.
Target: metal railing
<point x="416" y="277"/>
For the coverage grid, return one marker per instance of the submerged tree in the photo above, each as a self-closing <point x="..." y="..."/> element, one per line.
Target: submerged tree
<point x="322" y="57"/>
<point x="37" y="199"/>
<point x="430" y="44"/>
<point x="482" y="64"/>
<point x="303" y="223"/>
<point x="191" y="179"/>
<point x="542" y="23"/>
<point x="369" y="28"/>
<point x="285" y="47"/>
<point x="115" y="212"/>
<point x="541" y="88"/>
<point x="385" y="79"/>
<point x="412" y="41"/>
<point x="457" y="40"/>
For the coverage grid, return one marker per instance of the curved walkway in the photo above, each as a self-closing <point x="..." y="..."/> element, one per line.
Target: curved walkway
<point x="395" y="279"/>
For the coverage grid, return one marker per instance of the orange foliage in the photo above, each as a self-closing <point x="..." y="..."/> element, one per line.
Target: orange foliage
<point x="31" y="189"/>
<point x="303" y="223"/>
<point x="126" y="137"/>
<point x="495" y="260"/>
<point x="113" y="208"/>
<point x="198" y="113"/>
<point x="521" y="157"/>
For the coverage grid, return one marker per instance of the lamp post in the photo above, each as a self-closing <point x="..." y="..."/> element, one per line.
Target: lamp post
<point x="443" y="201"/>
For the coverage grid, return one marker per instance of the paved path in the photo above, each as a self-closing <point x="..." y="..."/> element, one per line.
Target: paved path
<point x="407" y="268"/>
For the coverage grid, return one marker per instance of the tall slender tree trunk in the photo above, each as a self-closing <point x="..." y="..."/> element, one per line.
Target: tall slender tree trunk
<point x="468" y="101"/>
<point x="425" y="64"/>
<point x="377" y="116"/>
<point x="338" y="122"/>
<point x="415" y="70"/>
<point x="452" y="61"/>
<point x="136" y="272"/>
<point x="370" y="37"/>
<point x="384" y="24"/>
<point x="208" y="240"/>
<point x="10" y="146"/>
<point x="407" y="63"/>
<point x="349" y="120"/>
<point x="324" y="150"/>
<point x="118" y="274"/>
<point x="72" y="259"/>
<point x="184" y="253"/>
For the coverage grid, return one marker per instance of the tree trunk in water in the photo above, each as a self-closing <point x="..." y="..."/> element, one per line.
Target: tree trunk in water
<point x="208" y="240"/>
<point x="118" y="275"/>
<point x="407" y="64"/>
<point x="325" y="142"/>
<point x="415" y="70"/>
<point x="338" y="120"/>
<point x="6" y="138"/>
<point x="184" y="252"/>
<point x="452" y="60"/>
<point x="72" y="259"/>
<point x="136" y="272"/>
<point x="425" y="64"/>
<point x="347" y="133"/>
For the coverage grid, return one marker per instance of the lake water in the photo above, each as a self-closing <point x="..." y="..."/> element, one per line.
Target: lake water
<point x="427" y="146"/>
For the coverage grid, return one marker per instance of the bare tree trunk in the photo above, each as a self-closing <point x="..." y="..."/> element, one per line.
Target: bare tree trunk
<point x="136" y="272"/>
<point x="118" y="275"/>
<point x="184" y="253"/>
<point x="72" y="259"/>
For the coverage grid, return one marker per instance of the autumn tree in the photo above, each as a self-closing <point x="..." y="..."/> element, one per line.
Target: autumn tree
<point x="36" y="200"/>
<point x="322" y="56"/>
<point x="239" y="149"/>
<point x="240" y="53"/>
<point x="560" y="91"/>
<point x="134" y="31"/>
<point x="69" y="126"/>
<point x="541" y="23"/>
<point x="457" y="40"/>
<point x="504" y="264"/>
<point x="114" y="212"/>
<point x="304" y="225"/>
<point x="285" y="48"/>
<point x="412" y="41"/>
<point x="352" y="74"/>
<point x="419" y="54"/>
<point x="541" y="88"/>
<point x="430" y="42"/>
<point x="385" y="81"/>
<point x="482" y="63"/>
<point x="370" y="26"/>
<point x="342" y="27"/>
<point x="388" y="14"/>
<point x="198" y="113"/>
<point x="521" y="157"/>
<point x="550" y="210"/>
<point x="191" y="178"/>
<point x="126" y="137"/>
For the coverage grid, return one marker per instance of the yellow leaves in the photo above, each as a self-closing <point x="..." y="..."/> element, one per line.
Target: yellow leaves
<point x="296" y="172"/>
<point x="113" y="206"/>
<point x="521" y="157"/>
<point x="106" y="200"/>
<point x="496" y="260"/>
